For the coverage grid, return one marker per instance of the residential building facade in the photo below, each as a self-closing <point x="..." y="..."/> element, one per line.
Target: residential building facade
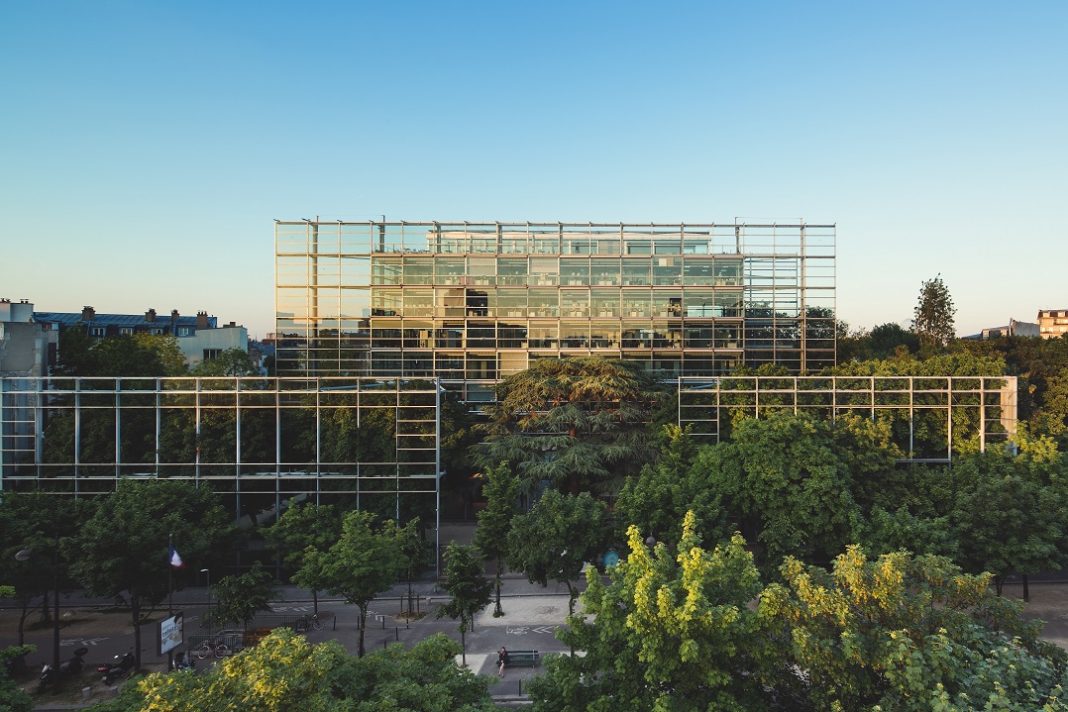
<point x="1052" y="323"/>
<point x="470" y="303"/>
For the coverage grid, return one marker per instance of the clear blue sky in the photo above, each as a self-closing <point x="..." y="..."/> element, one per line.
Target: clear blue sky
<point x="145" y="147"/>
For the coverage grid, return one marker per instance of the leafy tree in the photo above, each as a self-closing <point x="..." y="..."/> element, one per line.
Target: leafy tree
<point x="238" y="598"/>
<point x="906" y="633"/>
<point x="302" y="526"/>
<point x="148" y="355"/>
<point x="657" y="500"/>
<point x="414" y="554"/>
<point x="555" y="538"/>
<point x="36" y="521"/>
<point x="579" y="423"/>
<point x="285" y="672"/>
<point x="231" y="362"/>
<point x="784" y="480"/>
<point x="494" y="522"/>
<point x="122" y="550"/>
<point x="468" y="589"/>
<point x="1011" y="514"/>
<point x="362" y="562"/>
<point x="12" y="698"/>
<point x="672" y="630"/>
<point x="932" y="318"/>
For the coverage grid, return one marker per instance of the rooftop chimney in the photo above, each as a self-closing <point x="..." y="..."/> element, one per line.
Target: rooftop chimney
<point x="88" y="313"/>
<point x="150" y="315"/>
<point x="202" y="320"/>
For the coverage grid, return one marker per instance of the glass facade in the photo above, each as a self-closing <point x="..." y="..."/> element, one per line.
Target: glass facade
<point x="471" y="303"/>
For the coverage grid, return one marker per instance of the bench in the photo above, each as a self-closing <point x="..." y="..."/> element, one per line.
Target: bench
<point x="523" y="658"/>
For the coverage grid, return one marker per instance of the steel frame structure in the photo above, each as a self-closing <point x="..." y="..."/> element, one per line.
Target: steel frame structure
<point x="471" y="302"/>
<point x="931" y="416"/>
<point x="265" y="442"/>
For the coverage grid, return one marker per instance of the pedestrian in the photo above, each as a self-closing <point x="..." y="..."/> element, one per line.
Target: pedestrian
<point x="502" y="660"/>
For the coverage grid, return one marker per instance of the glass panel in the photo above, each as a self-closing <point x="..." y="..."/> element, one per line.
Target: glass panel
<point x="604" y="303"/>
<point x="418" y="270"/>
<point x="543" y="302"/>
<point x="637" y="302"/>
<point x="481" y="366"/>
<point x="728" y="272"/>
<point x="542" y="336"/>
<point x="512" y="335"/>
<point x="667" y="304"/>
<point x="386" y="270"/>
<point x="604" y="272"/>
<point x="385" y="302"/>
<point x="728" y="336"/>
<point x="604" y="336"/>
<point x="667" y="270"/>
<point x="698" y="272"/>
<point x="450" y="335"/>
<point x="699" y="336"/>
<point x="418" y="334"/>
<point x="547" y="243"/>
<point x="513" y="363"/>
<point x="449" y="365"/>
<point x="451" y="302"/>
<point x="481" y="302"/>
<point x="576" y="244"/>
<point x="512" y="302"/>
<point x="481" y="334"/>
<point x="574" y="334"/>
<point x="292" y="270"/>
<point x="450" y="270"/>
<point x="512" y="272"/>
<point x="575" y="303"/>
<point x="418" y="302"/>
<point x="637" y="334"/>
<point x="636" y="272"/>
<point x="481" y="270"/>
<point x="574" y="273"/>
<point x="700" y="303"/>
<point x="544" y="271"/>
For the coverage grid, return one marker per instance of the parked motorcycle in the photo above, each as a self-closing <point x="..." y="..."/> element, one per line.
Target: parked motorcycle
<point x="50" y="676"/>
<point x="113" y="671"/>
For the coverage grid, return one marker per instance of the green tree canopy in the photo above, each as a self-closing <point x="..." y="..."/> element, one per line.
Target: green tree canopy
<point x="468" y="589"/>
<point x="365" y="560"/>
<point x="240" y="597"/>
<point x="501" y="490"/>
<point x="932" y="318"/>
<point x="122" y="550"/>
<point x="554" y="539"/>
<point x="578" y="422"/>
<point x="302" y="526"/>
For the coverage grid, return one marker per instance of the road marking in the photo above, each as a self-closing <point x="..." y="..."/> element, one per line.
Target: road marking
<point x="545" y="629"/>
<point x="81" y="642"/>
<point x="295" y="609"/>
<point x="526" y="630"/>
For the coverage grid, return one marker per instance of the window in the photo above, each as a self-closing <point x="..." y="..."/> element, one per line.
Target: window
<point x="210" y="354"/>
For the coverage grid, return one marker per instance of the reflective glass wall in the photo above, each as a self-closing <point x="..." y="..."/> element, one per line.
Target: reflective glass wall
<point x="471" y="303"/>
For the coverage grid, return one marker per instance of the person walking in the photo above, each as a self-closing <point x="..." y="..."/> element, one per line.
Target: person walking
<point x="502" y="660"/>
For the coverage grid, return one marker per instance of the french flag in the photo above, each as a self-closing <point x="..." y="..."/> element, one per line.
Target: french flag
<point x="176" y="559"/>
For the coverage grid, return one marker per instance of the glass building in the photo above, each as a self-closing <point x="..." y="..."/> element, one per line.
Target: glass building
<point x="471" y="303"/>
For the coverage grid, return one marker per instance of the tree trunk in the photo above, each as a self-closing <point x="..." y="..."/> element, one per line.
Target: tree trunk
<point x="46" y="612"/>
<point x="22" y="620"/>
<point x="998" y="583"/>
<point x="497" y="612"/>
<point x="463" y="646"/>
<point x="363" y="624"/>
<point x="135" y="610"/>
<point x="315" y="601"/>
<point x="1026" y="590"/>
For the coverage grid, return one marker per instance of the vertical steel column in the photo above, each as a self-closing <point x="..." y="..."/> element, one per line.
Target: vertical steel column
<point x="118" y="430"/>
<point x="159" y="389"/>
<point x="803" y="313"/>
<point x="77" y="431"/>
<point x="912" y="417"/>
<point x="949" y="418"/>
<point x="318" y="445"/>
<point x="196" y="431"/>
<point x="38" y="434"/>
<point x="237" y="446"/>
<point x="313" y="288"/>
<point x="982" y="414"/>
<point x="3" y="446"/>
<point x="277" y="448"/>
<point x="437" y="477"/>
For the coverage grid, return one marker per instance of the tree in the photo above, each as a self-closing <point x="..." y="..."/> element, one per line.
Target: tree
<point x="468" y="589"/>
<point x="35" y="521"/>
<point x="933" y="316"/>
<point x="906" y="633"/>
<point x="302" y="526"/>
<point x="122" y="550"/>
<point x="285" y="672"/>
<point x="555" y="538"/>
<point x="580" y="423"/>
<point x="363" y="561"/>
<point x="231" y="362"/>
<point x="494" y="522"/>
<point x="12" y="697"/>
<point x="672" y="630"/>
<point x="238" y="598"/>
<point x="414" y="554"/>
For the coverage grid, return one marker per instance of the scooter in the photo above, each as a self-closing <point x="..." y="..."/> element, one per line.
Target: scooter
<point x="113" y="671"/>
<point x="50" y="676"/>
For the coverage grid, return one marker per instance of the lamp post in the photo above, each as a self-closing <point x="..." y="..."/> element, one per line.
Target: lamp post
<point x="26" y="555"/>
<point x="208" y="573"/>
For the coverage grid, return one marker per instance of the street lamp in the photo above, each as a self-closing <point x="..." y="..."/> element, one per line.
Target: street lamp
<point x="26" y="555"/>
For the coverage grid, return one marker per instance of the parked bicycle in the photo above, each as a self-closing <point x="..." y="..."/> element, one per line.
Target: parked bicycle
<point x="212" y="649"/>
<point x="306" y="623"/>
